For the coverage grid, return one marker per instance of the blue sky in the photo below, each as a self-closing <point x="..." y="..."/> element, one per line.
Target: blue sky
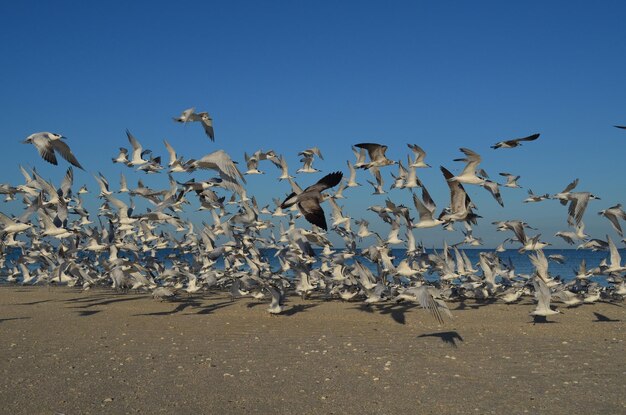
<point x="289" y="75"/>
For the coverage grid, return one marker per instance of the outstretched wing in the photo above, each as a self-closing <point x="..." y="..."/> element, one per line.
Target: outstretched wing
<point x="313" y="212"/>
<point x="326" y="182"/>
<point x="65" y="152"/>
<point x="45" y="149"/>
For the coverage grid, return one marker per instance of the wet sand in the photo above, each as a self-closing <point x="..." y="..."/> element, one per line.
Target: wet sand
<point x="68" y="351"/>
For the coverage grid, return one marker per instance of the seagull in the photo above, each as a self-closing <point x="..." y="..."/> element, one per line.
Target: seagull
<point x="614" y="214"/>
<point x="563" y="197"/>
<point x="426" y="210"/>
<point x="515" y="142"/>
<point x="221" y="162"/>
<point x="377" y="155"/>
<point x="511" y="180"/>
<point x="309" y="200"/>
<point x="204" y="117"/>
<point x="532" y="198"/>
<point x="378" y="186"/>
<point x="47" y="143"/>
<point x="460" y="202"/>
<point x="578" y="205"/>
<point x="138" y="152"/>
<point x="493" y="188"/>
<point x="542" y="295"/>
<point x="615" y="259"/>
<point x="352" y="178"/>
<point x="468" y="175"/>
<point x="570" y="237"/>
<point x="420" y="154"/>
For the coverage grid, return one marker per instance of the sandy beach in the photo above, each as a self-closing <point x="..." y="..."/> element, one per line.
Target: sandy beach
<point x="68" y="351"/>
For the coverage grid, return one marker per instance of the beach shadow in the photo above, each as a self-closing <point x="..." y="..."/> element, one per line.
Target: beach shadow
<point x="2" y="320"/>
<point x="183" y="304"/>
<point x="297" y="309"/>
<point x="541" y="320"/>
<point x="87" y="299"/>
<point x="397" y="311"/>
<point x="448" y="337"/>
<point x="211" y="308"/>
<point x="252" y="305"/>
<point x="368" y="308"/>
<point x="87" y="313"/>
<point x="111" y="301"/>
<point x="34" y="302"/>
<point x="601" y="318"/>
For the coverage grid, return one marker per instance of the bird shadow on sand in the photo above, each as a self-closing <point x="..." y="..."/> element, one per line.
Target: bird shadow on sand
<point x="87" y="313"/>
<point x="474" y="304"/>
<point x="34" y="302"/>
<point x="448" y="337"/>
<point x="601" y="318"/>
<point x="397" y="311"/>
<point x="108" y="301"/>
<point x="298" y="308"/>
<point x="542" y="320"/>
<point x="180" y="307"/>
<point x="212" y="307"/>
<point x="368" y="308"/>
<point x="2" y="320"/>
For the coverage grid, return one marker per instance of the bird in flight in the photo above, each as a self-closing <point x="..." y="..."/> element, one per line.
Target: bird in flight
<point x="515" y="142"/>
<point x="308" y="201"/>
<point x="204" y="117"/>
<point x="48" y="143"/>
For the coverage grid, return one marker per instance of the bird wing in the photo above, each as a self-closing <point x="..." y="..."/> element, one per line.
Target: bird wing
<point x="207" y="123"/>
<point x="171" y="152"/>
<point x="221" y="161"/>
<point x="137" y="148"/>
<point x="374" y="150"/>
<point x="493" y="188"/>
<point x="326" y="182"/>
<point x="529" y="138"/>
<point x="185" y="115"/>
<point x="570" y="186"/>
<point x="65" y="152"/>
<point x="425" y="297"/>
<point x="615" y="257"/>
<point x="68" y="180"/>
<point x="313" y="212"/>
<point x="45" y="149"/>
<point x="473" y="160"/>
<point x="458" y="197"/>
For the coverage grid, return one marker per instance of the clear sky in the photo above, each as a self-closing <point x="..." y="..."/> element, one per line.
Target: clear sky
<point x="287" y="75"/>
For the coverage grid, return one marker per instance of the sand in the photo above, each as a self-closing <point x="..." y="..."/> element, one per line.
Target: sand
<point x="68" y="351"/>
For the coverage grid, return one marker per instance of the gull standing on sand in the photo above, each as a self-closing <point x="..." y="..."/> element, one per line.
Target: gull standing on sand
<point x="48" y="143"/>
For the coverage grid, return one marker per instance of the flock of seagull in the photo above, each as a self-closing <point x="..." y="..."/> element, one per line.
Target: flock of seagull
<point x="60" y="242"/>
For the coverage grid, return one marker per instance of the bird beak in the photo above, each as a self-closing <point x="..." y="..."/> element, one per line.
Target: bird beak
<point x="25" y="142"/>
